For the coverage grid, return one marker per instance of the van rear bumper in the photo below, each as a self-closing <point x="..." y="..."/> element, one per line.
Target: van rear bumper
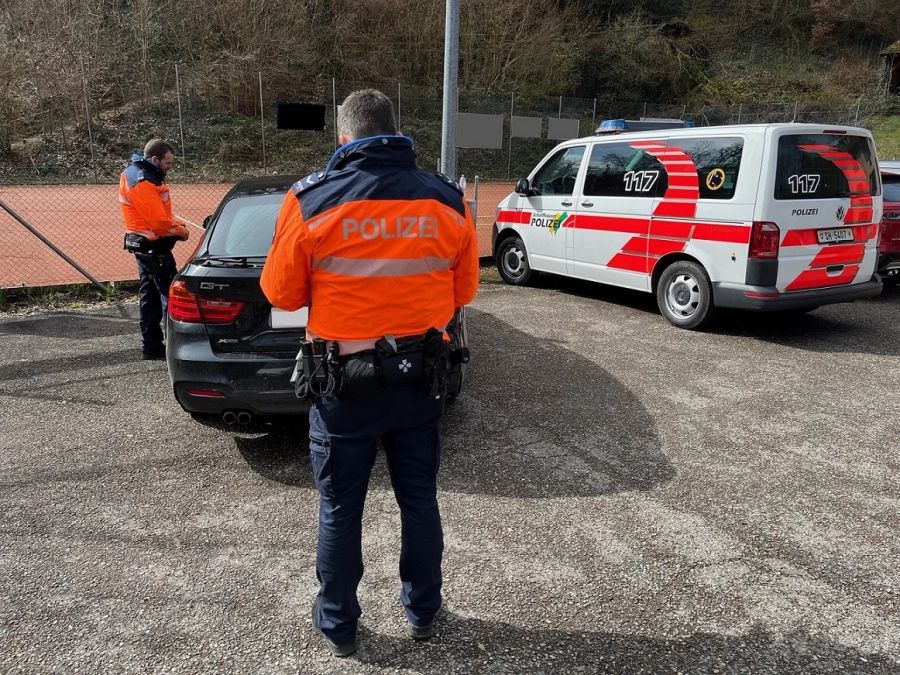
<point x="767" y="299"/>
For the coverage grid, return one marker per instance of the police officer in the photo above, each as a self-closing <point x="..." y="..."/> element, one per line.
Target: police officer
<point x="151" y="233"/>
<point x="383" y="254"/>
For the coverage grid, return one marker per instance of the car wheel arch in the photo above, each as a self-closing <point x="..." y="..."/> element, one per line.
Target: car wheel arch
<point x="503" y="235"/>
<point x="664" y="262"/>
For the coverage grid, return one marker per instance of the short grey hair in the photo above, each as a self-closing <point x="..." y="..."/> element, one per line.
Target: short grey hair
<point x="367" y="112"/>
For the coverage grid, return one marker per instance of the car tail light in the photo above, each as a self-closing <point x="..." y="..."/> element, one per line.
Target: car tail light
<point x="764" y="238"/>
<point x="192" y="308"/>
<point x="206" y="393"/>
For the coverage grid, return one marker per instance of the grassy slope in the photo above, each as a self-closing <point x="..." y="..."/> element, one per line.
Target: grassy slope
<point x="887" y="135"/>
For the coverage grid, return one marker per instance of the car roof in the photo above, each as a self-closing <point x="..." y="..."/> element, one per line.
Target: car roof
<point x="717" y="130"/>
<point x="264" y="185"/>
<point x="890" y="166"/>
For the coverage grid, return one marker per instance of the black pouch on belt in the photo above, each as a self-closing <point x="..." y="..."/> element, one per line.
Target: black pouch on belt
<point x="400" y="364"/>
<point x="136" y="243"/>
<point x="359" y="377"/>
<point x="436" y="360"/>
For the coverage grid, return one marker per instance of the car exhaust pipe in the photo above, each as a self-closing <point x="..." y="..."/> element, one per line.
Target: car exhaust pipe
<point x="244" y="418"/>
<point x="229" y="418"/>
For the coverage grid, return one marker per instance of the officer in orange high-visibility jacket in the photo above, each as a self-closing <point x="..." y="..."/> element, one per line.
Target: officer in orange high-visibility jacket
<point x="383" y="254"/>
<point x="150" y="233"/>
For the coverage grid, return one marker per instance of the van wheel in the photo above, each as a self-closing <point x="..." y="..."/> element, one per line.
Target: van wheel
<point x="512" y="262"/>
<point x="684" y="295"/>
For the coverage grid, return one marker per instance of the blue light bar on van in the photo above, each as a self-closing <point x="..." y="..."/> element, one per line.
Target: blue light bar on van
<point x="618" y="126"/>
<point x="612" y="126"/>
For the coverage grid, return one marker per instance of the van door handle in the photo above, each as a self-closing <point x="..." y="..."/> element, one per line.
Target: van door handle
<point x="587" y="204"/>
<point x="566" y="203"/>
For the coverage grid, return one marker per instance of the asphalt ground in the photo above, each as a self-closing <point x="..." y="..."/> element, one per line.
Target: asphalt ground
<point x="618" y="496"/>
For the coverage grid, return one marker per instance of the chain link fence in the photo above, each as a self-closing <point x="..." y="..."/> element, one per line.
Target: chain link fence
<point x="59" y="170"/>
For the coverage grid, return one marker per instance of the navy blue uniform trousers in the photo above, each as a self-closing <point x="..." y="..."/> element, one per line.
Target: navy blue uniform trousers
<point x="343" y="435"/>
<point x="155" y="278"/>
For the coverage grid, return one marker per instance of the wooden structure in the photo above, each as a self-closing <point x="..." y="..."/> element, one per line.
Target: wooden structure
<point x="891" y="71"/>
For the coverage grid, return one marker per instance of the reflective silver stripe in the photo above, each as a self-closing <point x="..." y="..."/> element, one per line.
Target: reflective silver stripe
<point x="381" y="267"/>
<point x="164" y="196"/>
<point x="124" y="200"/>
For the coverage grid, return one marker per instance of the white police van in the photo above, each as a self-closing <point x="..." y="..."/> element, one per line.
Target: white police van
<point x="763" y="217"/>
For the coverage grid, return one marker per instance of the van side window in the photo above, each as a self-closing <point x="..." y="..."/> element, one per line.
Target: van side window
<point x="618" y="170"/>
<point x="825" y="166"/>
<point x="717" y="160"/>
<point x="558" y="175"/>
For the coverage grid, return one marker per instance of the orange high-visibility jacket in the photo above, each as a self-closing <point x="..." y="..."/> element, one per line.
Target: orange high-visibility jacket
<point x="145" y="203"/>
<point x="374" y="246"/>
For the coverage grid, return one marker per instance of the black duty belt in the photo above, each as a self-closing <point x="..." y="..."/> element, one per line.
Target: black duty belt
<point x="422" y="360"/>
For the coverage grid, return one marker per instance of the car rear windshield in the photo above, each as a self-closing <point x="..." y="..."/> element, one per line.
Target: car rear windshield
<point x="825" y="166"/>
<point x="246" y="226"/>
<point x="891" y="188"/>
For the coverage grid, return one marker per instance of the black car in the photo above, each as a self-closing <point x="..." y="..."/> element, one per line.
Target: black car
<point x="230" y="353"/>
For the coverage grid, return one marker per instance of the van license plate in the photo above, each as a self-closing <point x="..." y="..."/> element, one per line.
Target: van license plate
<point x="295" y="319"/>
<point x="831" y="236"/>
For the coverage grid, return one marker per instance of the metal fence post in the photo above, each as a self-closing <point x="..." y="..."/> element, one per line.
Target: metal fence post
<point x="87" y="116"/>
<point x="334" y="105"/>
<point x="180" y="120"/>
<point x="512" y="104"/>
<point x="740" y="110"/>
<point x="262" y="122"/>
<point x="451" y="88"/>
<point x="399" y="110"/>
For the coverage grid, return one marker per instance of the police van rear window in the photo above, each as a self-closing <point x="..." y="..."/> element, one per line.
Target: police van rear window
<point x="717" y="162"/>
<point x="246" y="226"/>
<point x="825" y="166"/>
<point x="626" y="169"/>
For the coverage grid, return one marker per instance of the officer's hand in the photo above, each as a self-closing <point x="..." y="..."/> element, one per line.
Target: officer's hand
<point x="182" y="232"/>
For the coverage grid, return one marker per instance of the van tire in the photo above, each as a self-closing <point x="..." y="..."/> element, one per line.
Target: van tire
<point x="512" y="262"/>
<point x="684" y="295"/>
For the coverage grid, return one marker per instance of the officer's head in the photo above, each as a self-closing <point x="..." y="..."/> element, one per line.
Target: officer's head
<point x="365" y="113"/>
<point x="160" y="154"/>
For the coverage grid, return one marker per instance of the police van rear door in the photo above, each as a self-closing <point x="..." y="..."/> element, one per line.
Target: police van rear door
<point x="824" y="194"/>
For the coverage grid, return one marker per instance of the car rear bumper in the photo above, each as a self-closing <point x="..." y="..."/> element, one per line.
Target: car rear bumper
<point x="888" y="262"/>
<point x="767" y="299"/>
<point x="207" y="382"/>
